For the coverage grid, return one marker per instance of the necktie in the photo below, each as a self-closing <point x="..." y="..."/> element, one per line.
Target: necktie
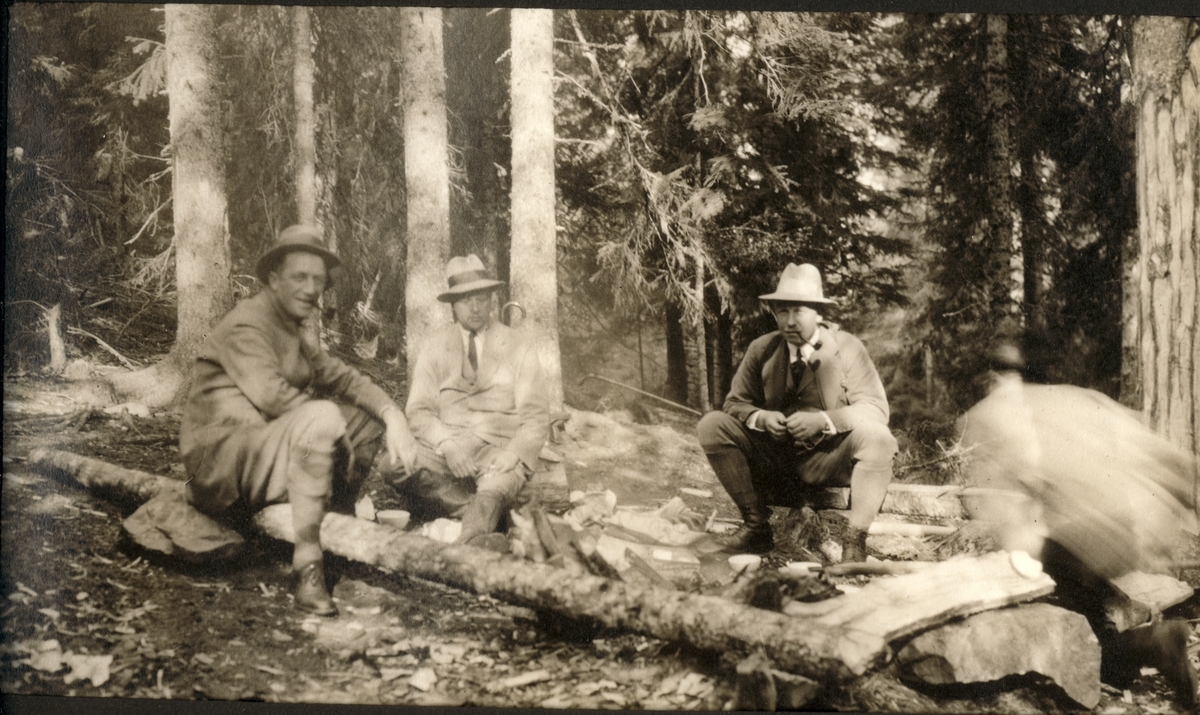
<point x="472" y="356"/>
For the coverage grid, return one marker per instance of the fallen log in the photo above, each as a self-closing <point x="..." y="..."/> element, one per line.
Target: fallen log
<point x="829" y="654"/>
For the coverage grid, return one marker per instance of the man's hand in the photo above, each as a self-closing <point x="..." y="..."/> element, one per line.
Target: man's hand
<point x="804" y="426"/>
<point x="401" y="445"/>
<point x="503" y="461"/>
<point x="458" y="458"/>
<point x="774" y="423"/>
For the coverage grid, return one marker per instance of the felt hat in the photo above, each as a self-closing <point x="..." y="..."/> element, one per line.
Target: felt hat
<point x="466" y="274"/>
<point x="299" y="237"/>
<point x="799" y="284"/>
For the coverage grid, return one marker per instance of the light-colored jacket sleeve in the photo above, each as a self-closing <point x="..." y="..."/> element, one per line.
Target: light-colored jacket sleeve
<point x="332" y="375"/>
<point x="533" y="406"/>
<point x="862" y="388"/>
<point x="424" y="387"/>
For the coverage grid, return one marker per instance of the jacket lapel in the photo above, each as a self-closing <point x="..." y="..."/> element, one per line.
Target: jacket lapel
<point x="775" y="375"/>
<point x="825" y="368"/>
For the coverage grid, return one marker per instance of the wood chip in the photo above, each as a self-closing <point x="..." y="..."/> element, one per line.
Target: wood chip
<point x="518" y="681"/>
<point x="269" y="669"/>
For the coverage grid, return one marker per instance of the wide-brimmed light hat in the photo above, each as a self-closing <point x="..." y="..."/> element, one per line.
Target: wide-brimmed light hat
<point x="799" y="284"/>
<point x="466" y="274"/>
<point x="299" y="237"/>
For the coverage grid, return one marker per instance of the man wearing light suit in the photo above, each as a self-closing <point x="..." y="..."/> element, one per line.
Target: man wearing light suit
<point x="806" y="409"/>
<point x="479" y="409"/>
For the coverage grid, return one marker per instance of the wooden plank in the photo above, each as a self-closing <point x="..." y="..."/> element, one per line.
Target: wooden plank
<point x="905" y="499"/>
<point x="891" y="608"/>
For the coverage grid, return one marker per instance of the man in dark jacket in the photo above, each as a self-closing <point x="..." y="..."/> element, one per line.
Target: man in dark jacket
<point x="806" y="409"/>
<point x="254" y="429"/>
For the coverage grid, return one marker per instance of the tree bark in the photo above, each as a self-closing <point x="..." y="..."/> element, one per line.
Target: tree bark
<point x="1166" y="76"/>
<point x="305" y="140"/>
<point x="697" y="345"/>
<point x="831" y="653"/>
<point x="534" y="245"/>
<point x="999" y="167"/>
<point x="426" y="171"/>
<point x="202" y="260"/>
<point x="677" y="364"/>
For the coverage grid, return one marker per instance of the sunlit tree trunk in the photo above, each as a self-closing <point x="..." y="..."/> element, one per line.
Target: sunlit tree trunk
<point x="202" y="262"/>
<point x="426" y="170"/>
<point x="305" y="140"/>
<point x="534" y="247"/>
<point x="1166" y="77"/>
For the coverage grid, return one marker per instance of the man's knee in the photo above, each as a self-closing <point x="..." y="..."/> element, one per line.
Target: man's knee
<point x="718" y="431"/>
<point x="873" y="442"/>
<point x="320" y="419"/>
<point x="509" y="483"/>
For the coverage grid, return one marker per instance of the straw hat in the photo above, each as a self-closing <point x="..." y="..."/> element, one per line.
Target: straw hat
<point x="466" y="274"/>
<point x="799" y="284"/>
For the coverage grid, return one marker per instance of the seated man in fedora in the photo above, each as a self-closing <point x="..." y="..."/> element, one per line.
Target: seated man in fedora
<point x="806" y="409"/>
<point x="479" y="408"/>
<point x="271" y="417"/>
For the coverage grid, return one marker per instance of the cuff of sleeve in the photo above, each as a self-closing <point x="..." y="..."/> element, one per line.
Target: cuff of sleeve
<point x="752" y="421"/>
<point x="830" y="428"/>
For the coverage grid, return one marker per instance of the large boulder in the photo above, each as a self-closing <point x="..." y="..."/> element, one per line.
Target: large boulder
<point x="1036" y="638"/>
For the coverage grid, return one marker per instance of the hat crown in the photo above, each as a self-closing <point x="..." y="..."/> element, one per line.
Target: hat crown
<point x="297" y="237"/>
<point x="458" y="265"/>
<point x="799" y="284"/>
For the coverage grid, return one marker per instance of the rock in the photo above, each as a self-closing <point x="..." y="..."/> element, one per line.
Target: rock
<point x="1041" y="638"/>
<point x="1159" y="591"/>
<point x="168" y="524"/>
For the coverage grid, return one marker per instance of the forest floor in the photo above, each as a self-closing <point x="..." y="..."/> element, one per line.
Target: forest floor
<point x="116" y="621"/>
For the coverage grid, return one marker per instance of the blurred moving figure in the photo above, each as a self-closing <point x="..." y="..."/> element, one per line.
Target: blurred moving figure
<point x="1094" y="494"/>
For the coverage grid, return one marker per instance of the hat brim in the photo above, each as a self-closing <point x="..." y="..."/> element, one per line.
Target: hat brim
<point x="482" y="284"/>
<point x="796" y="298"/>
<point x="260" y="268"/>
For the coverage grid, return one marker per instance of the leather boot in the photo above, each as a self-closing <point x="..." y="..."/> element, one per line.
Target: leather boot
<point x="480" y="520"/>
<point x="754" y="536"/>
<point x="1163" y="646"/>
<point x="310" y="592"/>
<point x="436" y="495"/>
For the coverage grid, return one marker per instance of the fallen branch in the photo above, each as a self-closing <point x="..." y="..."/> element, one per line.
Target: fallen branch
<point x="828" y="653"/>
<point x="124" y="361"/>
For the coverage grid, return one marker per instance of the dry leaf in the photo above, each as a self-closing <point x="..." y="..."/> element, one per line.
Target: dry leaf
<point x="87" y="667"/>
<point x="423" y="679"/>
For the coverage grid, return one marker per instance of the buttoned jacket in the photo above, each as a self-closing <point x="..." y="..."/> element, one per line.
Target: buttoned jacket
<point x="506" y="404"/>
<point x="848" y="385"/>
<point x="255" y="366"/>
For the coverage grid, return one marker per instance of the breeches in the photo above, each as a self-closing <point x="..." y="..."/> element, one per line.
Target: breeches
<point x="508" y="484"/>
<point x="781" y="472"/>
<point x="321" y="449"/>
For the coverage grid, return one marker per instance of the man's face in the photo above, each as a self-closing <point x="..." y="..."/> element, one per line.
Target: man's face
<point x="797" y="321"/>
<point x="473" y="311"/>
<point x="298" y="283"/>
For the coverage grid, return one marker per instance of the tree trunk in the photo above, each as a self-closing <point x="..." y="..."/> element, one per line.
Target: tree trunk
<point x="534" y="245"/>
<point x="426" y="171"/>
<point x="828" y="653"/>
<point x="999" y="167"/>
<point x="202" y="261"/>
<point x="696" y="345"/>
<point x="677" y="362"/>
<point x="1166" y="75"/>
<point x="305" y="141"/>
